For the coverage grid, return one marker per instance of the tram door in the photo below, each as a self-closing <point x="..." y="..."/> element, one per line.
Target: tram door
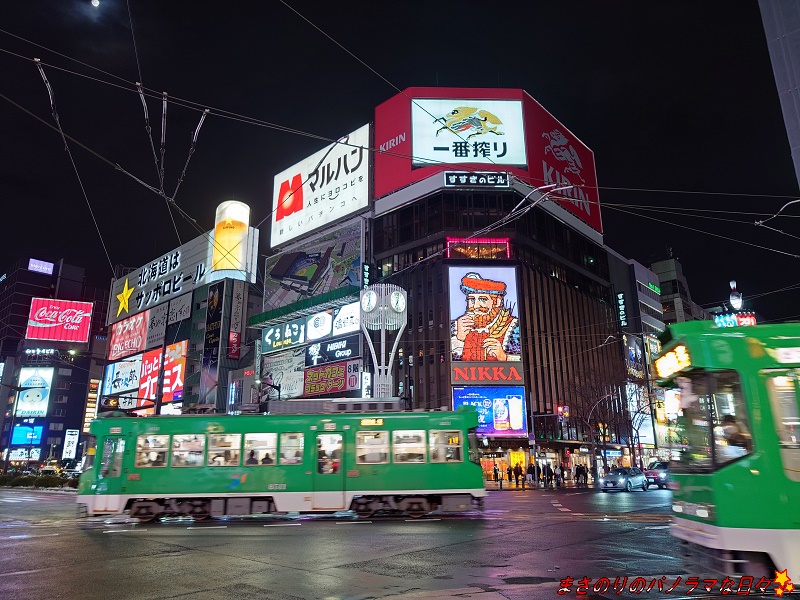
<point x="109" y="478"/>
<point x="329" y="472"/>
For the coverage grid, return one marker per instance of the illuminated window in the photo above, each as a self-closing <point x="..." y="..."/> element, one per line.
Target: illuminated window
<point x="223" y="449"/>
<point x="261" y="446"/>
<point x="445" y="446"/>
<point x="409" y="446"/>
<point x="372" y="447"/>
<point x="151" y="450"/>
<point x="188" y="450"/>
<point x="291" y="448"/>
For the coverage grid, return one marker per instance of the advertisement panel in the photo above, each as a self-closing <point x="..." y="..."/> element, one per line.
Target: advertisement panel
<point x="552" y="153"/>
<point x="174" y="368"/>
<point x="484" y="314"/>
<point x="634" y="355"/>
<point x="641" y="413"/>
<point x="334" y="378"/>
<point x="148" y="377"/>
<point x="321" y="189"/>
<point x="334" y="350"/>
<point x="467" y="130"/>
<point x="284" y="369"/>
<point x="122" y="380"/>
<point x="237" y="319"/>
<point x="59" y="320"/>
<point x="27" y="435"/>
<point x="70" y="444"/>
<point x="40" y="266"/>
<point x="283" y="336"/>
<point x="211" y="343"/>
<point x="501" y="409"/>
<point x="173" y="275"/>
<point x="33" y="402"/>
<point x="128" y="336"/>
<point x="156" y="325"/>
<point x="180" y="308"/>
<point x="318" y="266"/>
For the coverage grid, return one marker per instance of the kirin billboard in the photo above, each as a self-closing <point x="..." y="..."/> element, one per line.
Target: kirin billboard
<point x="482" y="128"/>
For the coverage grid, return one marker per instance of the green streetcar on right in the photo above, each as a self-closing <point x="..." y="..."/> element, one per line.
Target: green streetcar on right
<point x="736" y="477"/>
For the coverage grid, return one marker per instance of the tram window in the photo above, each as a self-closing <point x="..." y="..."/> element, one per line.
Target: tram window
<point x="223" y="449"/>
<point x="261" y="447"/>
<point x="188" y="450"/>
<point x="409" y="446"/>
<point x="732" y="437"/>
<point x="372" y="447"/>
<point x="445" y="446"/>
<point x="291" y="448"/>
<point x="111" y="461"/>
<point x="151" y="450"/>
<point x="783" y="396"/>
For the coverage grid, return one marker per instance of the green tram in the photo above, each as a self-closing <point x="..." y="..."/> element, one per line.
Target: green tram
<point x="215" y="465"/>
<point x="736" y="444"/>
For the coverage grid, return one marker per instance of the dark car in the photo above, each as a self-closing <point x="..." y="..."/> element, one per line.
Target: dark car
<point x="624" y="478"/>
<point x="657" y="473"/>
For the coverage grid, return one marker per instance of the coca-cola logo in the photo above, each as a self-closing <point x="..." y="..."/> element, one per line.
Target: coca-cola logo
<point x="51" y="316"/>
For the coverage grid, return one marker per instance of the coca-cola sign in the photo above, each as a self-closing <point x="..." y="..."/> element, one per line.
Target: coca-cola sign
<point x="59" y="320"/>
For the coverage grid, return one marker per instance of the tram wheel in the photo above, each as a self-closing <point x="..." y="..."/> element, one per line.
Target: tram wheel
<point x="363" y="508"/>
<point x="143" y="512"/>
<point x="199" y="510"/>
<point x="418" y="508"/>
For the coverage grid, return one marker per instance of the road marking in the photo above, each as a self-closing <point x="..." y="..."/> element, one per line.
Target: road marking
<point x="420" y="520"/>
<point x="565" y="509"/>
<point x="22" y="572"/>
<point x="24" y="536"/>
<point x="284" y="525"/>
<point x="209" y="527"/>
<point x="353" y="522"/>
<point x="125" y="531"/>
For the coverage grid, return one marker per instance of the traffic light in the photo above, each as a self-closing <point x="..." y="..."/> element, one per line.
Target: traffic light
<point x="560" y="414"/>
<point x="566" y="411"/>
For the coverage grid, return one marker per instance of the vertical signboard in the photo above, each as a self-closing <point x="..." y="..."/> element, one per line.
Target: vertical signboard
<point x="237" y="317"/>
<point x="180" y="308"/>
<point x="122" y="381"/>
<point x="148" y="378"/>
<point x="128" y="336"/>
<point x="209" y="374"/>
<point x="70" y="444"/>
<point x="156" y="325"/>
<point x="174" y="368"/>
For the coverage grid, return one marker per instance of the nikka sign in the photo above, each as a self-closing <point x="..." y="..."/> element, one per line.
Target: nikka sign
<point x="487" y="373"/>
<point x="59" y="320"/>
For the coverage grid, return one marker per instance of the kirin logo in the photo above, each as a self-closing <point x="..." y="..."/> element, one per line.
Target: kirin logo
<point x="290" y="198"/>
<point x="562" y="150"/>
<point x="468" y="119"/>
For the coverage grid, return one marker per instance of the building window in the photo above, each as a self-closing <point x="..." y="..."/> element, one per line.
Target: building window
<point x="62" y="385"/>
<point x="65" y="372"/>
<point x="59" y="412"/>
<point x="61" y="400"/>
<point x="56" y="427"/>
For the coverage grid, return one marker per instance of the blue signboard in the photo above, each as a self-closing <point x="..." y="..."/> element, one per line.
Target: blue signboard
<point x="501" y="409"/>
<point x="26" y="435"/>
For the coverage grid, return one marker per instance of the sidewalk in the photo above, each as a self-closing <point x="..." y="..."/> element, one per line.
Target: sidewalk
<point x="492" y="485"/>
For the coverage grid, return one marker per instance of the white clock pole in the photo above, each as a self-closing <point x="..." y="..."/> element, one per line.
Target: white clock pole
<point x="383" y="306"/>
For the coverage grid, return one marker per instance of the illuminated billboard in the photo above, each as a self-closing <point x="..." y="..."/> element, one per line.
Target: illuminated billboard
<point x="122" y="380"/>
<point x="27" y="435"/>
<point x="469" y="133"/>
<point x="319" y="326"/>
<point x="501" y="409"/>
<point x="128" y="336"/>
<point x="284" y="369"/>
<point x="323" y="188"/>
<point x="319" y="265"/>
<point x="40" y="266"/>
<point x="70" y="444"/>
<point x="484" y="314"/>
<point x="148" y="377"/>
<point x="174" y="369"/>
<point x="59" y="320"/>
<point x="334" y="378"/>
<point x="33" y="402"/>
<point x="172" y="275"/>
<point x="283" y="335"/>
<point x="467" y="130"/>
<point x="333" y="350"/>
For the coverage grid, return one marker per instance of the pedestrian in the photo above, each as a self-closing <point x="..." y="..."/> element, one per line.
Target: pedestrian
<point x="558" y="472"/>
<point x="537" y="473"/>
<point x="496" y="473"/>
<point x="517" y="473"/>
<point x="529" y="474"/>
<point x="510" y="474"/>
<point x="548" y="474"/>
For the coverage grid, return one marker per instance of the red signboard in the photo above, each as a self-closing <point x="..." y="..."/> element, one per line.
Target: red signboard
<point x="333" y="378"/>
<point x="174" y="367"/>
<point x="553" y="154"/>
<point x="128" y="336"/>
<point x="148" y="378"/>
<point x="59" y="320"/>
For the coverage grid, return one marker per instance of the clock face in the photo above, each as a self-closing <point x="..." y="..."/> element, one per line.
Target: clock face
<point x="397" y="301"/>
<point x="369" y="301"/>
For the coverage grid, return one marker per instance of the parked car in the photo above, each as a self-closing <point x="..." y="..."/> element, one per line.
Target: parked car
<point x="624" y="478"/>
<point x="657" y="473"/>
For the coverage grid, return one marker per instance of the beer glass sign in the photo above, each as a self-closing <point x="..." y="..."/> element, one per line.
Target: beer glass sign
<point x="230" y="236"/>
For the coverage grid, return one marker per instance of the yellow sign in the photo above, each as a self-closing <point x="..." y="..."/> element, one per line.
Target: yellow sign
<point x="369" y="422"/>
<point x="673" y="361"/>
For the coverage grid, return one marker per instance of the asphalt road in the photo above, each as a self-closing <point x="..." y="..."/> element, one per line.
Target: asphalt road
<point x="522" y="546"/>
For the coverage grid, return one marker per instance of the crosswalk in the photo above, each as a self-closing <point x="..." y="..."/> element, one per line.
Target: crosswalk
<point x="14" y="499"/>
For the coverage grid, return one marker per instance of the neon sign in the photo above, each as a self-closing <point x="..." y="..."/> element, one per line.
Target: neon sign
<point x="673" y="361"/>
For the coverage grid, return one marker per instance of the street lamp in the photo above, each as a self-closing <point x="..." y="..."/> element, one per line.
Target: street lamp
<point x="16" y="389"/>
<point x="271" y="386"/>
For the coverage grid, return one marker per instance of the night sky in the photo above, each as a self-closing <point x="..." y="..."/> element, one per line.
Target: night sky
<point x="677" y="101"/>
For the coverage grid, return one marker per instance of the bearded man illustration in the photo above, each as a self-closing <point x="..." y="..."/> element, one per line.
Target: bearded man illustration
<point x="487" y="331"/>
